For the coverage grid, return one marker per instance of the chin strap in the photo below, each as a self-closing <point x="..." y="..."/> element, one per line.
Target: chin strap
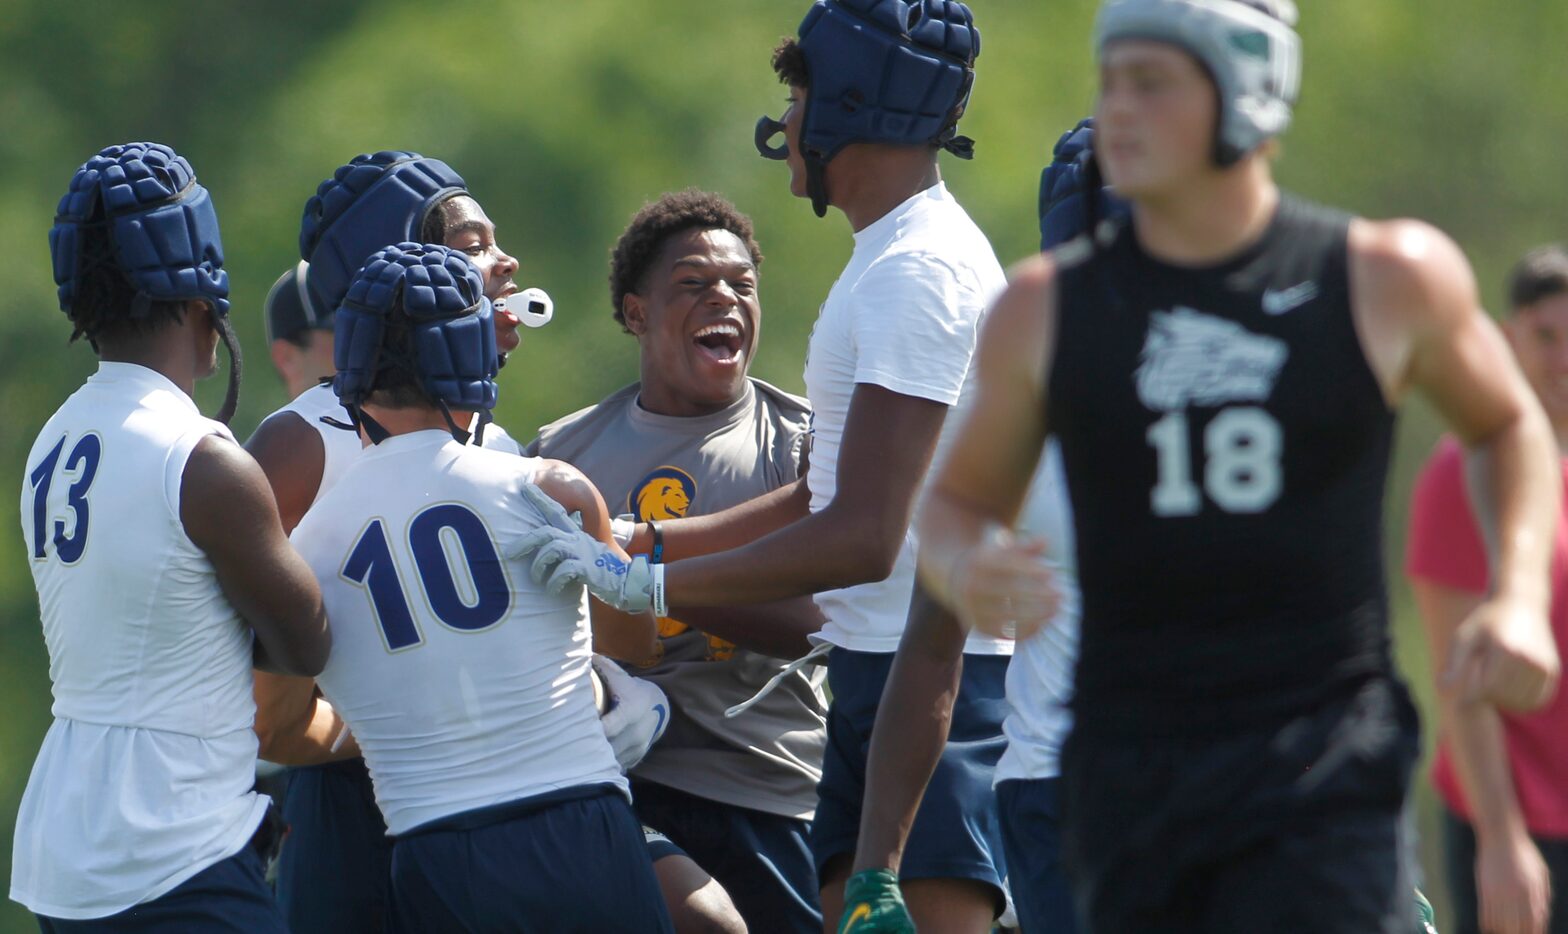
<point x="362" y="420"/>
<point x="461" y="435"/>
<point x="961" y="146"/>
<point x="231" y="398"/>
<point x="817" y="184"/>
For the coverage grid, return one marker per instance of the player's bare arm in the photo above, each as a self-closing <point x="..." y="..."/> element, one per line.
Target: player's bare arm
<point x="633" y="637"/>
<point x="730" y="528"/>
<point x="781" y="628"/>
<point x="1423" y="329"/>
<point x="969" y="560"/>
<point x="291" y="455"/>
<point x="228" y="511"/>
<point x="296" y="726"/>
<point x="911" y="729"/>
<point x="855" y="538"/>
<point x="1512" y="882"/>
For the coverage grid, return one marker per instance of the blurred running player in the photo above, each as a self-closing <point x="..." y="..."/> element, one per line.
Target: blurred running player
<point x="1221" y="373"/>
<point x="467" y="688"/>
<point x="163" y="575"/>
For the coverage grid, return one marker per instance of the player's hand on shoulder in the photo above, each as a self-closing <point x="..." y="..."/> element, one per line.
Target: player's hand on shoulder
<point x="564" y="555"/>
<point x="1504" y="654"/>
<point x="1003" y="588"/>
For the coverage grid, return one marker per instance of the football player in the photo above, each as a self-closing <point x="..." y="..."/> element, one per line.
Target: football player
<point x="163" y="576"/>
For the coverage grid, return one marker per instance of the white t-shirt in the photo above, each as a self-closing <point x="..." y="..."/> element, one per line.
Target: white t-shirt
<point x="144" y="779"/>
<point x="465" y="684"/>
<point x="1040" y="676"/>
<point x="904" y="315"/>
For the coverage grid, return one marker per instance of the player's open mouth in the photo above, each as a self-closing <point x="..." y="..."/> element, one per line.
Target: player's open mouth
<point x="721" y="342"/>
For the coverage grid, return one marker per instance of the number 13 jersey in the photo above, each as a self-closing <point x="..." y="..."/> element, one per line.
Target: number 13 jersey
<point x="145" y="776"/>
<point x="465" y="684"/>
<point x="1226" y="445"/>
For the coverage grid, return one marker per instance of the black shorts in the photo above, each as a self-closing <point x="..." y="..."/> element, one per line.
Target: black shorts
<point x="1296" y="826"/>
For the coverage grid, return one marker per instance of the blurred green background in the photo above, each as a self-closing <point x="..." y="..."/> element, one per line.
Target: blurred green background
<point x="565" y="117"/>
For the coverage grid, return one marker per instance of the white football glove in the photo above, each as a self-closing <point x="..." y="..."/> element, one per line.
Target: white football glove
<point x="565" y="555"/>
<point x="623" y="527"/>
<point x="636" y="713"/>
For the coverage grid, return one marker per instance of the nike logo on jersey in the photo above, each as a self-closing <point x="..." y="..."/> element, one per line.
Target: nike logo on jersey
<point x="1279" y="301"/>
<point x="1191" y="358"/>
<point x="658" y="729"/>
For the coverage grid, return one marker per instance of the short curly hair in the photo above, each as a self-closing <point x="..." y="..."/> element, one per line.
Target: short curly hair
<point x="656" y="223"/>
<point x="789" y="62"/>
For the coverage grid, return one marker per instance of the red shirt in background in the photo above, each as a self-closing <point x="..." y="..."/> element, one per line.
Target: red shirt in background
<point x="1445" y="548"/>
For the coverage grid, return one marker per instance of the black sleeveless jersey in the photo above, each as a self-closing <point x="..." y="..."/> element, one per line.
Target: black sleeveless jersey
<point x="1226" y="446"/>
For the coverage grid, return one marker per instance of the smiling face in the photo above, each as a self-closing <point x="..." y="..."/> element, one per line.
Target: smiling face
<point x="1155" y="118"/>
<point x="466" y="228"/>
<point x="697" y="317"/>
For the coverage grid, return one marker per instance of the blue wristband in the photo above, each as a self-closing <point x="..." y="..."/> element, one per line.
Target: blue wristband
<point x="658" y="542"/>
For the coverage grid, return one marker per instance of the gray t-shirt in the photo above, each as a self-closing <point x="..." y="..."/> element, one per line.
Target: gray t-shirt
<point x="661" y="467"/>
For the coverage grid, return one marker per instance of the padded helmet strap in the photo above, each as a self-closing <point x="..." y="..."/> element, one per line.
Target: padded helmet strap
<point x="231" y="342"/>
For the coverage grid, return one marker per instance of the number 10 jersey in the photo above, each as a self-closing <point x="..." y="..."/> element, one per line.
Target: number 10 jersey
<point x="464" y="683"/>
<point x="1226" y="445"/>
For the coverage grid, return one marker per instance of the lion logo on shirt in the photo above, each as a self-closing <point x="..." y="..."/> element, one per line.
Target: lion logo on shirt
<point x="1190" y="358"/>
<point x="667" y="493"/>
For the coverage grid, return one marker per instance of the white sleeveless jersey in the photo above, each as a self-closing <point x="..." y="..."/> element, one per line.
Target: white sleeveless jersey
<point x="464" y="683"/>
<point x="319" y="407"/>
<point x="145" y="776"/>
<point x="1040" y="676"/>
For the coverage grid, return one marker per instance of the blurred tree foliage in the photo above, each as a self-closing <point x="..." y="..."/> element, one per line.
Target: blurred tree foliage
<point x="566" y="117"/>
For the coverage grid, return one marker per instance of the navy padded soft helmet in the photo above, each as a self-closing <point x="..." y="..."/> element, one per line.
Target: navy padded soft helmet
<point x="161" y="220"/>
<point x="1065" y="208"/>
<point x="164" y="233"/>
<point x="438" y="295"/>
<point x="372" y="201"/>
<point x="880" y="71"/>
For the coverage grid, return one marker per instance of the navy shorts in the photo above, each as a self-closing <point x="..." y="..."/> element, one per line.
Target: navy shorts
<point x="570" y="861"/>
<point x="956" y="834"/>
<point x="762" y="860"/>
<point x="229" y="896"/>
<point x="336" y="861"/>
<point x="1290" y="826"/>
<point x="1031" y="814"/>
